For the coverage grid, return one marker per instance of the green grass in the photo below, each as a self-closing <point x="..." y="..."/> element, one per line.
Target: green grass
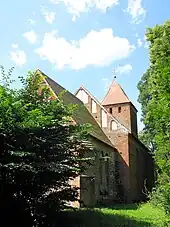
<point x="144" y="215"/>
<point x="120" y="216"/>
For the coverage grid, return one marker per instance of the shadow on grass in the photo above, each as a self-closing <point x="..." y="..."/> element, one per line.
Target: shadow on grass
<point x="95" y="218"/>
<point x="123" y="207"/>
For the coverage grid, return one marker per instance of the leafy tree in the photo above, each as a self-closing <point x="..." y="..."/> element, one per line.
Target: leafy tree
<point x="154" y="96"/>
<point x="42" y="151"/>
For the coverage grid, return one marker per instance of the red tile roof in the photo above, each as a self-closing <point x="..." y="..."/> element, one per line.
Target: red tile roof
<point x="115" y="95"/>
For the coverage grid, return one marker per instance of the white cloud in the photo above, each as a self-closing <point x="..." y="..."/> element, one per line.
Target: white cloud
<point x="48" y="15"/>
<point x="31" y="21"/>
<point x="75" y="7"/>
<point x="74" y="18"/>
<point x="145" y="38"/>
<point x="97" y="48"/>
<point x="136" y="10"/>
<point x="124" y="69"/>
<point x="18" y="56"/>
<point x="140" y="43"/>
<point x="106" y="83"/>
<point x="15" y="45"/>
<point x="146" y="45"/>
<point x="30" y="36"/>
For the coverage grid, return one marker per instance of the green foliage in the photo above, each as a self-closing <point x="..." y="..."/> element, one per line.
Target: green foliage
<point x="154" y="96"/>
<point x="146" y="139"/>
<point x="42" y="152"/>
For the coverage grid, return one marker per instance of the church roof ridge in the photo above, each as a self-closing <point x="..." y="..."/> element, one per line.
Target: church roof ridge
<point x="81" y="115"/>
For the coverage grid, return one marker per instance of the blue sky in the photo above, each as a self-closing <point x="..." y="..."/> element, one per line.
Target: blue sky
<point x="80" y="41"/>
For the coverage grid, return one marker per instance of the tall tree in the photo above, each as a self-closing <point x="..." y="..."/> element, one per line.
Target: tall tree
<point x="154" y="96"/>
<point x="42" y="153"/>
<point x="146" y="135"/>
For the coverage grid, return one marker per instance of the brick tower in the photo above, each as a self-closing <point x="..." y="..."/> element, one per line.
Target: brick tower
<point x="118" y="104"/>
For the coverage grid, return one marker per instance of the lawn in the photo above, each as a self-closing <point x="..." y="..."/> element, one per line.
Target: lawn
<point x="131" y="215"/>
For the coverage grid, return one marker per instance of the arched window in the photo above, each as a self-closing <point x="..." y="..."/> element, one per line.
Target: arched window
<point x="113" y="125"/>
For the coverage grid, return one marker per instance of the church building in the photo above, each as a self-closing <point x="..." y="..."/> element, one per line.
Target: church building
<point x="123" y="168"/>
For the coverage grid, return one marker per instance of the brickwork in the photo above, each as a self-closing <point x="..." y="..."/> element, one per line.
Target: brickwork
<point x="120" y="141"/>
<point x="104" y="189"/>
<point x="133" y="119"/>
<point x="121" y="112"/>
<point x="93" y="189"/>
<point x="141" y="169"/>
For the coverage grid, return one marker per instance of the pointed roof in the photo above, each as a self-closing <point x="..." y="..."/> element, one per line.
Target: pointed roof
<point x="115" y="95"/>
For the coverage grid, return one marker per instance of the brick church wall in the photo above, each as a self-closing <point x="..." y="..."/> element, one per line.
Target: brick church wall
<point x="134" y="127"/>
<point x="135" y="166"/>
<point x="90" y="181"/>
<point x="94" y="170"/>
<point x="120" y="141"/>
<point x="141" y="169"/>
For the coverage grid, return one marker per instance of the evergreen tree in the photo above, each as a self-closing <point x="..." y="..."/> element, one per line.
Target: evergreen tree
<point x="42" y="152"/>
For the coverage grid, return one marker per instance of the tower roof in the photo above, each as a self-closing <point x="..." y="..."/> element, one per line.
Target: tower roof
<point x="115" y="95"/>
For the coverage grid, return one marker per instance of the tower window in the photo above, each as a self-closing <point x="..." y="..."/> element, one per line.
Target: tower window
<point x="110" y="110"/>
<point x="119" y="109"/>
